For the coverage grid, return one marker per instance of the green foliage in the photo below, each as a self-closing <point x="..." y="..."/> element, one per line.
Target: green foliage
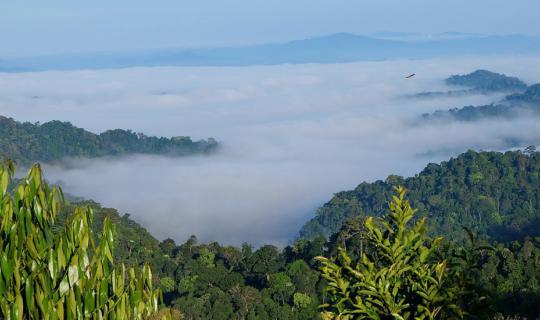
<point x="27" y="142"/>
<point x="493" y="194"/>
<point x="215" y="282"/>
<point x="302" y="300"/>
<point x="62" y="273"/>
<point x="281" y="287"/>
<point x="508" y="275"/>
<point x="187" y="285"/>
<point x="496" y="195"/>
<point x="206" y="257"/>
<point x="397" y="278"/>
<point x="166" y="284"/>
<point x="134" y="245"/>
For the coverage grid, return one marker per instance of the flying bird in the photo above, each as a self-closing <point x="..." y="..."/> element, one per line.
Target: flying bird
<point x="410" y="76"/>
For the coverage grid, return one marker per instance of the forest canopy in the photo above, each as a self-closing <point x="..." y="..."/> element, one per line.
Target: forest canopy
<point x="495" y="194"/>
<point x="30" y="142"/>
<point x="492" y="193"/>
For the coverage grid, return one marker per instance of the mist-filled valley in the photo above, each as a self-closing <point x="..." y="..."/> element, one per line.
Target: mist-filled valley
<point x="290" y="136"/>
<point x="269" y="160"/>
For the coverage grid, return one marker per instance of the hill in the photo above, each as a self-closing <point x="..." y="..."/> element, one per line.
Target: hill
<point x="494" y="194"/>
<point x="30" y="142"/>
<point x="484" y="80"/>
<point x="513" y="105"/>
<point x="530" y="96"/>
<point x="134" y="244"/>
<point x="209" y="281"/>
<point x="335" y="48"/>
<point x="477" y="82"/>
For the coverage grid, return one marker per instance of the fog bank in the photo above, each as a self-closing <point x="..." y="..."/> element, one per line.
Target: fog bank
<point x="291" y="136"/>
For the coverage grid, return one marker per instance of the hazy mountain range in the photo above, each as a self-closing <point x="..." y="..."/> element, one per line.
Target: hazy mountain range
<point x="477" y="82"/>
<point x="336" y="48"/>
<point x="521" y="100"/>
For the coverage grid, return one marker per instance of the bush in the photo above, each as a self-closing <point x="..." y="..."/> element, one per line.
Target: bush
<point x="60" y="272"/>
<point x="396" y="277"/>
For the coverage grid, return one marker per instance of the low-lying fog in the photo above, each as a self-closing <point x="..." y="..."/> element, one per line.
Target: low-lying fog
<point x="292" y="136"/>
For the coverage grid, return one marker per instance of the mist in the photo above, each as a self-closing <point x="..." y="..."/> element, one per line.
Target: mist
<point x="291" y="136"/>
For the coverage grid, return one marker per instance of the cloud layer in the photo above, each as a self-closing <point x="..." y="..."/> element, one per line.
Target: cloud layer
<point x="291" y="135"/>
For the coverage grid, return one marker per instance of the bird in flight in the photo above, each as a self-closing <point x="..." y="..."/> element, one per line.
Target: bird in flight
<point x="410" y="76"/>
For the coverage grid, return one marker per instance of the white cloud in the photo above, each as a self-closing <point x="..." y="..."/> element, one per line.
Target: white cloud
<point x="292" y="135"/>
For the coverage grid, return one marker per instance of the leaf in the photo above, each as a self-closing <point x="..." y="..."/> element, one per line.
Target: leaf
<point x="19" y="309"/>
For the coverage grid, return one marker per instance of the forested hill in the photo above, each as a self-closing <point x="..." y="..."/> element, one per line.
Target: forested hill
<point x="477" y="82"/>
<point x="134" y="244"/>
<point x="484" y="80"/>
<point x="495" y="194"/>
<point x="530" y="96"/>
<point x="513" y="105"/>
<point x="28" y="142"/>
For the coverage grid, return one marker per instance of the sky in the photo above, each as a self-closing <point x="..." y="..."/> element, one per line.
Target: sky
<point x="36" y="27"/>
<point x="291" y="135"/>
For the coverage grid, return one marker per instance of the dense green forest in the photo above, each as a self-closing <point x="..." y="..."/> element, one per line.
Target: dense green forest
<point x="491" y="268"/>
<point x="495" y="194"/>
<point x="210" y="281"/>
<point x="492" y="193"/>
<point x="30" y="142"/>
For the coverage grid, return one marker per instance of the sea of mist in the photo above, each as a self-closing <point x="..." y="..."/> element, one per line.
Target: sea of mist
<point x="291" y="135"/>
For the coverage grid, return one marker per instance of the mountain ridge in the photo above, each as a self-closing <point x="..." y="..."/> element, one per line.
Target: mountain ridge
<point x="335" y="48"/>
<point x="491" y="193"/>
<point x="27" y="142"/>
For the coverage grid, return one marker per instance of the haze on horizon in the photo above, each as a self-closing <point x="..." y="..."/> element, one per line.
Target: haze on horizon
<point x="62" y="26"/>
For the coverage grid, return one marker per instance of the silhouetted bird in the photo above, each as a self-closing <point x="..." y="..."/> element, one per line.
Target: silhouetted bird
<point x="410" y="76"/>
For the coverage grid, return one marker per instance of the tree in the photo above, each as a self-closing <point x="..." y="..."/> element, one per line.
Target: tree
<point x="301" y="300"/>
<point x="281" y="287"/>
<point x="398" y="277"/>
<point x="206" y="258"/>
<point x="166" y="284"/>
<point x="60" y="272"/>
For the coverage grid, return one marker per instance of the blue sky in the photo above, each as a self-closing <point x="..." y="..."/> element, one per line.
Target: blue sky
<point x="38" y="27"/>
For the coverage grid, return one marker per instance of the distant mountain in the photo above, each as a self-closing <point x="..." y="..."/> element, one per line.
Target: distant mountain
<point x="513" y="105"/>
<point x="477" y="82"/>
<point x="530" y="96"/>
<point x="27" y="142"/>
<point x="484" y="80"/>
<point x="336" y="48"/>
<point x="494" y="194"/>
<point x="412" y="36"/>
<point x="442" y="94"/>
